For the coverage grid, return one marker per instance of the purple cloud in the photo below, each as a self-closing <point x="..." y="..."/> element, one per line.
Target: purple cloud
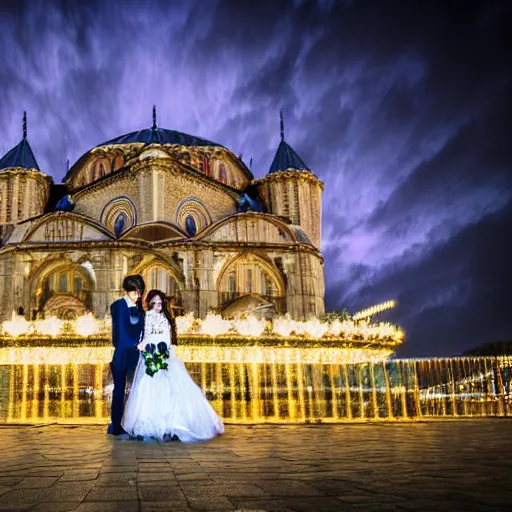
<point x="402" y="109"/>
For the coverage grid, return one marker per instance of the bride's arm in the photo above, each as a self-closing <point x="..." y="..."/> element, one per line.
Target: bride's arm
<point x="141" y="346"/>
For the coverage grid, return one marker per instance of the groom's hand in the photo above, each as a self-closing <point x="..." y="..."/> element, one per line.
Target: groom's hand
<point x="141" y="346"/>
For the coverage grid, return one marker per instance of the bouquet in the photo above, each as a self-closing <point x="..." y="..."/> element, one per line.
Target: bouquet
<point x="155" y="356"/>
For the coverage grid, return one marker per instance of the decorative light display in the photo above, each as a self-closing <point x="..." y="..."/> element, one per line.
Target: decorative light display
<point x="213" y="325"/>
<point x="17" y="326"/>
<point x="281" y="327"/>
<point x="87" y="325"/>
<point x="378" y="308"/>
<point x="258" y="385"/>
<point x="195" y="353"/>
<point x="51" y="326"/>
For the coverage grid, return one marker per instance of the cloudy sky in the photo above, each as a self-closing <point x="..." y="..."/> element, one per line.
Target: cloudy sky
<point x="402" y="108"/>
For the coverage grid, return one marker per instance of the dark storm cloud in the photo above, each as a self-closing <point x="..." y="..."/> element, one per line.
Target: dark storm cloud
<point x="401" y="108"/>
<point x="468" y="281"/>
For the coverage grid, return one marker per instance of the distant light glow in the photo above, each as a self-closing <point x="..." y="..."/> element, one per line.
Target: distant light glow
<point x="373" y="310"/>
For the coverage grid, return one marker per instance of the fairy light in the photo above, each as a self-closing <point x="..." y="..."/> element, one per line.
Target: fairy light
<point x="250" y="327"/>
<point x="51" y="326"/>
<point x="16" y="326"/>
<point x="378" y="308"/>
<point x="214" y="325"/>
<point x="87" y="325"/>
<point x="185" y="323"/>
<point x="262" y="385"/>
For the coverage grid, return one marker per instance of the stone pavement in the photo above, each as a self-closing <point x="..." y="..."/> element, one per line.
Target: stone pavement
<point x="437" y="466"/>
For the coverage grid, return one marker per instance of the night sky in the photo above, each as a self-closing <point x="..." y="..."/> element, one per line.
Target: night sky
<point x="403" y="109"/>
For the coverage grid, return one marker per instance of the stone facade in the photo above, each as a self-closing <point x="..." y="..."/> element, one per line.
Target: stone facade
<point x="168" y="212"/>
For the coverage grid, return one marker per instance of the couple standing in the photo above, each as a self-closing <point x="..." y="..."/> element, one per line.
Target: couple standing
<point x="164" y="401"/>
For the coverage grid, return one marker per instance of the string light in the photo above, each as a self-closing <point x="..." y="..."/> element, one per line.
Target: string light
<point x="274" y="386"/>
<point x="378" y="308"/>
<point x="281" y="327"/>
<point x="190" y="353"/>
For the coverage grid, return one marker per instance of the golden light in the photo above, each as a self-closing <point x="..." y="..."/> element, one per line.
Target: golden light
<point x="378" y="308"/>
<point x="280" y="329"/>
<point x="250" y="326"/>
<point x="214" y="325"/>
<point x="51" y="326"/>
<point x="16" y="326"/>
<point x="87" y="325"/>
<point x="185" y="323"/>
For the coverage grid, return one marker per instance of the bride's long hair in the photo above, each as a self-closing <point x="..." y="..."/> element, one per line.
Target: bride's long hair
<point x="165" y="309"/>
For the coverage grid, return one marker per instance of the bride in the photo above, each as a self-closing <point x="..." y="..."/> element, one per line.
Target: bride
<point x="167" y="403"/>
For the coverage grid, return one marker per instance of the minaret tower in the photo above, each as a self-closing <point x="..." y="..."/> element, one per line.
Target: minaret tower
<point x="291" y="190"/>
<point x="24" y="189"/>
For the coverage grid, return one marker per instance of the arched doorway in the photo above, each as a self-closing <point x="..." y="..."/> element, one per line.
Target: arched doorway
<point x="248" y="274"/>
<point x="65" y="291"/>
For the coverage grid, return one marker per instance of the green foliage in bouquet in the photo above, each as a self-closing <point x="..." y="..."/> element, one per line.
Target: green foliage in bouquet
<point x="155" y="357"/>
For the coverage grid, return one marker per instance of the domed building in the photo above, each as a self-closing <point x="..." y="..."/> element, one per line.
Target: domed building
<point x="183" y="211"/>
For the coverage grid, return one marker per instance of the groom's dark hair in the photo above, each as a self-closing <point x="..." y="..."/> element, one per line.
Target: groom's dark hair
<point x="134" y="283"/>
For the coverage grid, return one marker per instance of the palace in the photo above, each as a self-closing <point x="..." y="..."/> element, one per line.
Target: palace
<point x="184" y="212"/>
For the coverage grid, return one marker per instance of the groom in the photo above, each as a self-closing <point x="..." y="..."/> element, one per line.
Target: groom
<point x="127" y="326"/>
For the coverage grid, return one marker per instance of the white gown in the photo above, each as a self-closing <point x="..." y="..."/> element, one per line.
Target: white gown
<point x="168" y="403"/>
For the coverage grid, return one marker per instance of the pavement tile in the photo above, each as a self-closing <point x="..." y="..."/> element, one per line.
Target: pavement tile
<point x="164" y="506"/>
<point x="112" y="506"/>
<point x="160" y="493"/>
<point x="156" y="475"/>
<point x="77" y="476"/>
<point x="62" y="506"/>
<point x="36" y="482"/>
<point x="193" y="477"/>
<point x="124" y="493"/>
<point x="441" y="466"/>
<point x="207" y="503"/>
<point x="238" y="490"/>
<point x="288" y="488"/>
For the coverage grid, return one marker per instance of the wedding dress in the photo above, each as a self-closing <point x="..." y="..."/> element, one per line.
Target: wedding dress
<point x="169" y="402"/>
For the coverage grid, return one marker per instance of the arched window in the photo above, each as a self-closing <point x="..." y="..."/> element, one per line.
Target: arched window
<point x="222" y="173"/>
<point x="206" y="166"/>
<point x="101" y="170"/>
<point x="160" y="278"/>
<point x="248" y="281"/>
<point x="190" y="225"/>
<point x="248" y="275"/>
<point x="66" y="282"/>
<point x="267" y="285"/>
<point x="120" y="224"/>
<point x="117" y="163"/>
<point x="232" y="282"/>
<point x="63" y="282"/>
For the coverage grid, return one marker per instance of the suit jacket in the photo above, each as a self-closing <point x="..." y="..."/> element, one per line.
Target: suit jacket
<point x="127" y="328"/>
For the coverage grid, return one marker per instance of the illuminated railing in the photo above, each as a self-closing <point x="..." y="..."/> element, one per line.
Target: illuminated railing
<point x="43" y="384"/>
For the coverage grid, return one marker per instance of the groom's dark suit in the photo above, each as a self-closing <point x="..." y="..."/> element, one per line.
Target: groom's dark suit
<point x="127" y="327"/>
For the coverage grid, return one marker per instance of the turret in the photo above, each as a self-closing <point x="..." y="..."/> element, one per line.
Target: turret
<point x="292" y="190"/>
<point x="24" y="189"/>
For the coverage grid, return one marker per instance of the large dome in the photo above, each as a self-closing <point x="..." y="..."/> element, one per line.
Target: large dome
<point x="160" y="136"/>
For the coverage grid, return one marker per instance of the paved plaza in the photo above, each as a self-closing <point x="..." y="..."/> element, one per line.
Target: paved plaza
<point x="441" y="466"/>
